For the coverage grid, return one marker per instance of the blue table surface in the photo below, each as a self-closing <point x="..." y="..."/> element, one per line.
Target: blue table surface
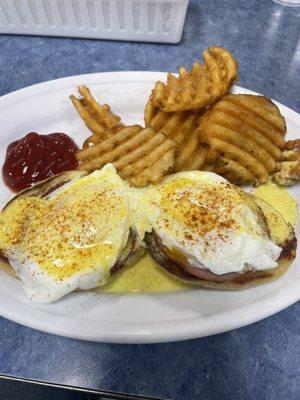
<point x="261" y="361"/>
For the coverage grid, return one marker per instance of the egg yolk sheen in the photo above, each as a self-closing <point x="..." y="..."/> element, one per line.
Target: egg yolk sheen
<point x="80" y="227"/>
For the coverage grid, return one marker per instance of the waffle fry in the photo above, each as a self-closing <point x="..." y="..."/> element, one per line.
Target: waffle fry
<point x="99" y="119"/>
<point x="246" y="138"/>
<point x="180" y="127"/>
<point x="201" y="87"/>
<point x="95" y="139"/>
<point x="140" y="155"/>
<point x="288" y="170"/>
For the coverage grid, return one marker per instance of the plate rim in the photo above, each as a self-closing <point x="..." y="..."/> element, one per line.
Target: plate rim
<point x="135" y="332"/>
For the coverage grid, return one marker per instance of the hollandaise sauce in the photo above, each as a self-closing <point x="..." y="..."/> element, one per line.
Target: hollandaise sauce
<point x="72" y="238"/>
<point x="280" y="199"/>
<point x="145" y="276"/>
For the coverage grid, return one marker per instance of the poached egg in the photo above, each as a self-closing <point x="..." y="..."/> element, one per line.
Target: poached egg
<point x="206" y="222"/>
<point x="70" y="239"/>
<point x="74" y="236"/>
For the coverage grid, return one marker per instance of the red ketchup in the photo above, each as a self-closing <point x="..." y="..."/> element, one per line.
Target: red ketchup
<point x="36" y="157"/>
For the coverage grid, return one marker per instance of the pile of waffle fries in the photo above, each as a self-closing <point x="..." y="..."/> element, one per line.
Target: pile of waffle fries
<point x="192" y="123"/>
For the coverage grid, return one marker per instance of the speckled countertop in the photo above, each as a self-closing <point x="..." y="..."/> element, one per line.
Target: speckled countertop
<point x="261" y="361"/>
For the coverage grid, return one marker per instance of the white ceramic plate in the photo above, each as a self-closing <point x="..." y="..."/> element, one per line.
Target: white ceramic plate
<point x="137" y="318"/>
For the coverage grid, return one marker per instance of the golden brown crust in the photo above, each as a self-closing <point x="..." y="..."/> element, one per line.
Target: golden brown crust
<point x="288" y="169"/>
<point x="200" y="87"/>
<point x="140" y="155"/>
<point x="246" y="137"/>
<point x="48" y="185"/>
<point x="182" y="128"/>
<point x="98" y="118"/>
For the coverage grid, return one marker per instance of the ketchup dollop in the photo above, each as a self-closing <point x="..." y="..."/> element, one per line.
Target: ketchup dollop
<point x="36" y="157"/>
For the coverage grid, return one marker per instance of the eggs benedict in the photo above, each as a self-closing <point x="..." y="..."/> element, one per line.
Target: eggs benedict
<point x="74" y="230"/>
<point x="69" y="232"/>
<point x="202" y="229"/>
